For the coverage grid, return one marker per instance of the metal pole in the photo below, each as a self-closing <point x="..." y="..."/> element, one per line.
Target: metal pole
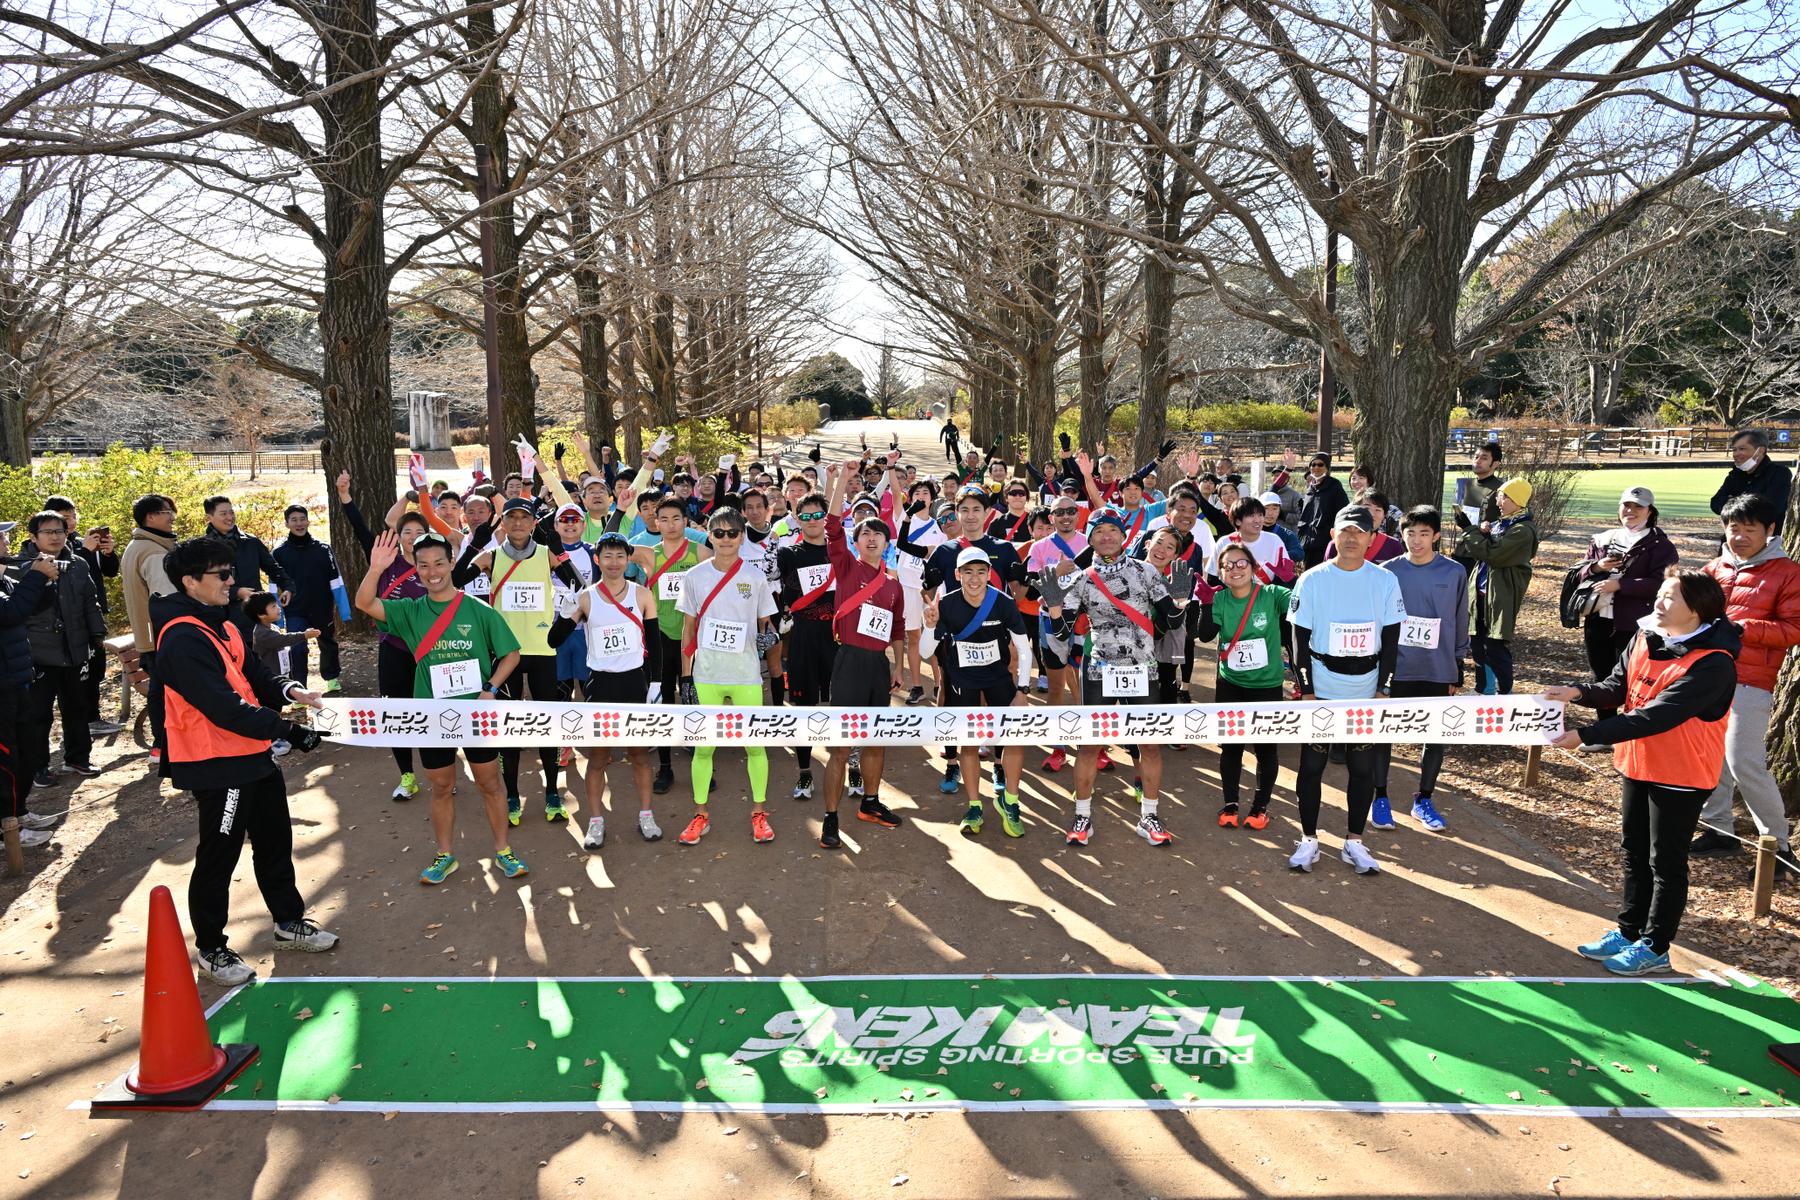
<point x="490" y="303"/>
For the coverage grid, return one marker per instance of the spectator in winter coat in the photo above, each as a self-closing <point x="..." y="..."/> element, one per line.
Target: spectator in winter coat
<point x="141" y="567"/>
<point x="1674" y="685"/>
<point x="1629" y="562"/>
<point x="62" y="630"/>
<point x="97" y="549"/>
<point x="1762" y="598"/>
<point x="1502" y="552"/>
<point x="1325" y="498"/>
<point x="311" y="568"/>
<point x="20" y="595"/>
<point x="1754" y="472"/>
<point x="250" y="557"/>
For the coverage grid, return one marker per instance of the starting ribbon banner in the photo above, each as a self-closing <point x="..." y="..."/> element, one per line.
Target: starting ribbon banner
<point x="1469" y="720"/>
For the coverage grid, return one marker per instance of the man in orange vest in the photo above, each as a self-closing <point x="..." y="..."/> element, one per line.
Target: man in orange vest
<point x="217" y="710"/>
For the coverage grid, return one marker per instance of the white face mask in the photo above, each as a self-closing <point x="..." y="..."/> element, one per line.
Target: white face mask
<point x="1749" y="464"/>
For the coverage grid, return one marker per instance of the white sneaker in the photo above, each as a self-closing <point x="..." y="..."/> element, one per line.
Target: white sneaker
<point x="33" y="820"/>
<point x="279" y="748"/>
<point x="223" y="966"/>
<point x="34" y="837"/>
<point x="648" y="827"/>
<point x="1306" y="853"/>
<point x="304" y="934"/>
<point x="1358" y="856"/>
<point x="596" y="834"/>
<point x="803" y="786"/>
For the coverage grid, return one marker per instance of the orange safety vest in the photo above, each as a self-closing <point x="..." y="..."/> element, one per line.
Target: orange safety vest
<point x="189" y="736"/>
<point x="1688" y="755"/>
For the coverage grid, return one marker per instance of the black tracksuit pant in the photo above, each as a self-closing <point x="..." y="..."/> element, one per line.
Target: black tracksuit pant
<point x="259" y="811"/>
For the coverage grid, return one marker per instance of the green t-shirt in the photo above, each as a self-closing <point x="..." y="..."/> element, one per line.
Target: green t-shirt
<point x="1264" y="626"/>
<point x="475" y="639"/>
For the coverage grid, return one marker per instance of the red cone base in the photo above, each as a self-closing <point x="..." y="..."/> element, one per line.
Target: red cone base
<point x="178" y="1066"/>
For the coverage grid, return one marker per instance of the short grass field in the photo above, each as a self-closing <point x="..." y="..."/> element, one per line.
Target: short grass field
<point x="1680" y="491"/>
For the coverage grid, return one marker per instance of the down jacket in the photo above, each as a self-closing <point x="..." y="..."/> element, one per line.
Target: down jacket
<point x="1762" y="597"/>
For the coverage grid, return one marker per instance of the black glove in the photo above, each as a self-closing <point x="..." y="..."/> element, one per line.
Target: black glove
<point x="557" y="452"/>
<point x="1167" y="449"/>
<point x="689" y="694"/>
<point x="412" y="496"/>
<point x="305" y="738"/>
<point x="814" y="453"/>
<point x="893" y="442"/>
<point x="915" y="508"/>
<point x="1462" y="520"/>
<point x="1064" y="439"/>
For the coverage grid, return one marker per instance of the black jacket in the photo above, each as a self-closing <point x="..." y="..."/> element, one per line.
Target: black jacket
<point x="1324" y="500"/>
<point x="192" y="663"/>
<point x="101" y="567"/>
<point x="19" y="596"/>
<point x="310" y="567"/>
<point x="65" y="624"/>
<point x="253" y="561"/>
<point x="1771" y="480"/>
<point x="1704" y="692"/>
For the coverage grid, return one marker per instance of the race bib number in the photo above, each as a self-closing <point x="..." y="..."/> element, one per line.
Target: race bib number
<point x="522" y="597"/>
<point x="478" y="587"/>
<point x="875" y="622"/>
<point x="813" y="578"/>
<point x="669" y="586"/>
<point x="1248" y="656"/>
<point x="911" y="571"/>
<point x="1125" y="681"/>
<point x="977" y="654"/>
<point x="1421" y="632"/>
<point x="1351" y="639"/>
<point x="285" y="660"/>
<point x="727" y="637"/>
<point x="452" y="679"/>
<point x="615" y="639"/>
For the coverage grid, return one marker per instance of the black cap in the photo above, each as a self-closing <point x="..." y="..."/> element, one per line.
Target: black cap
<point x="519" y="504"/>
<point x="1354" y="516"/>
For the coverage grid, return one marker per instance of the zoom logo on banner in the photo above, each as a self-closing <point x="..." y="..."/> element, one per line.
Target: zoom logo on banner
<point x="894" y="1035"/>
<point x="1491" y="720"/>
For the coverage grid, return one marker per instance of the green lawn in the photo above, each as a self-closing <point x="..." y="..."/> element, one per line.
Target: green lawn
<point x="1680" y="491"/>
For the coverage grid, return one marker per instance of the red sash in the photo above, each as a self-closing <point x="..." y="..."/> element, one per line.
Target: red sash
<point x="509" y="574"/>
<point x="399" y="580"/>
<point x="707" y="603"/>
<point x="631" y="616"/>
<point x="429" y="642"/>
<point x="1131" y="614"/>
<point x="855" y="601"/>
<point x="667" y="563"/>
<point x="1248" y="605"/>
<point x="813" y="597"/>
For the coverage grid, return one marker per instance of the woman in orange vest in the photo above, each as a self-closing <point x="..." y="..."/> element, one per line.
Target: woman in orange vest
<point x="216" y="710"/>
<point x="1673" y="687"/>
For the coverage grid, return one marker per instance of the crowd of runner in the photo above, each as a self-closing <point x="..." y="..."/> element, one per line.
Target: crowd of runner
<point x="858" y="583"/>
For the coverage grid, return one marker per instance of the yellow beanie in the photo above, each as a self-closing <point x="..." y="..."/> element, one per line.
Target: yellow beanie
<point x="1518" y="491"/>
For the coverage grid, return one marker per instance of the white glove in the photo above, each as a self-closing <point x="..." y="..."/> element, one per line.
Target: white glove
<point x="567" y="603"/>
<point x="655" y="696"/>
<point x="661" y="445"/>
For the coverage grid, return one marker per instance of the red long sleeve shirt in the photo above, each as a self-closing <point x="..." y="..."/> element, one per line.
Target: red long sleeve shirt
<point x="851" y="575"/>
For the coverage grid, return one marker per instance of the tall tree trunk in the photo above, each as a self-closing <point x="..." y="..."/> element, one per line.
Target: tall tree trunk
<point x="15" y="442"/>
<point x="630" y="397"/>
<point x="354" y="326"/>
<point x="1784" y="717"/>
<point x="1164" y="201"/>
<point x="598" y="418"/>
<point x="1090" y="347"/>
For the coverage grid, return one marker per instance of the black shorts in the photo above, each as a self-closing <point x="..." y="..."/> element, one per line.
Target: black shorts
<point x="859" y="679"/>
<point x="433" y="757"/>
<point x="996" y="695"/>
<point x="616" y="687"/>
<point x="1091" y="694"/>
<point x="811" y="651"/>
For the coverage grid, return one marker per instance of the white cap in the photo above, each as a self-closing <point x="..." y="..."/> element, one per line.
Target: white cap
<point x="1638" y="495"/>
<point x="1270" y="498"/>
<point x="972" y="554"/>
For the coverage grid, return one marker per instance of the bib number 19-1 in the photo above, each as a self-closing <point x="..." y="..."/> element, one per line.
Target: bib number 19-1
<point x="1125" y="681"/>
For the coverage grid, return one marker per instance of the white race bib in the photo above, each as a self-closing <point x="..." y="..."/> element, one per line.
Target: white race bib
<point x="977" y="654"/>
<point x="522" y="597"/>
<point x="615" y="639"/>
<point x="452" y="679"/>
<point x="875" y="622"/>
<point x="813" y="578"/>
<point x="478" y="586"/>
<point x="1351" y="639"/>
<point x="1421" y="632"/>
<point x="727" y="637"/>
<point x="668" y="586"/>
<point x="1125" y="681"/>
<point x="285" y="660"/>
<point x="1248" y="656"/>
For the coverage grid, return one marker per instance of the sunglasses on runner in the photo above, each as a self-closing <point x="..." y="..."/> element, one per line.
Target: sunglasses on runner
<point x="1064" y="510"/>
<point x="1234" y="564"/>
<point x="811" y="516"/>
<point x="724" y="531"/>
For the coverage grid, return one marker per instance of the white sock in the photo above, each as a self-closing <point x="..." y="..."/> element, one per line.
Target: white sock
<point x="1147" y="806"/>
<point x="1084" y="808"/>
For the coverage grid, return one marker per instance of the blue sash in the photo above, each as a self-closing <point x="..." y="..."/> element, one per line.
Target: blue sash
<point x="981" y="614"/>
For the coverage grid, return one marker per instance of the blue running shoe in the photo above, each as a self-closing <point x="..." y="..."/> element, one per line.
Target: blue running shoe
<point x="1381" y="814"/>
<point x="515" y="805"/>
<point x="1613" y="943"/>
<point x="1426" y="814"/>
<point x="510" y="864"/>
<point x="1636" y="959"/>
<point x="951" y="781"/>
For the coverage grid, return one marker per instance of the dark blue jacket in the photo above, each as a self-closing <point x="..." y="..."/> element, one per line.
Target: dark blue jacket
<point x="310" y="568"/>
<point x="19" y="598"/>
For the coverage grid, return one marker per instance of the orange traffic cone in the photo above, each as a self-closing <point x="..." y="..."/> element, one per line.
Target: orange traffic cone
<point x="178" y="1068"/>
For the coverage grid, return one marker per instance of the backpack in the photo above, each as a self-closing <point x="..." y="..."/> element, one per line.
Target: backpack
<point x="1579" y="599"/>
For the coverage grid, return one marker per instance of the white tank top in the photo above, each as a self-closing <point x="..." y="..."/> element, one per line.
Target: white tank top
<point x="614" y="641"/>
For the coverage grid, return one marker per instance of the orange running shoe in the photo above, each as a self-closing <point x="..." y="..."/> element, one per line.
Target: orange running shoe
<point x="1057" y="760"/>
<point x="696" y="829"/>
<point x="1258" y="818"/>
<point x="1228" y="817"/>
<point x="565" y="756"/>
<point x="1104" y="762"/>
<point x="760" y="829"/>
